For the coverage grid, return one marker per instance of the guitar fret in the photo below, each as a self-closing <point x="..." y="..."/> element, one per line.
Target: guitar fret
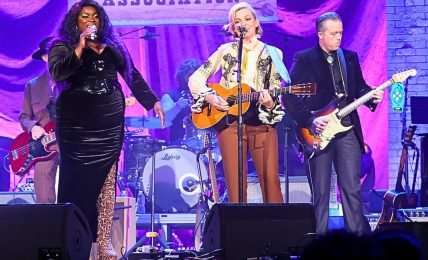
<point x="354" y="105"/>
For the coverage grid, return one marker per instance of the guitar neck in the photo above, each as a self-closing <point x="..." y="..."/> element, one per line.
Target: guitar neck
<point x="403" y="158"/>
<point x="213" y="177"/>
<point x="360" y="101"/>
<point x="253" y="96"/>
<point x="399" y="182"/>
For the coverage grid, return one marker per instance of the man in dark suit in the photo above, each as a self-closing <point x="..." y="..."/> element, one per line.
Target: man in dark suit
<point x="338" y="76"/>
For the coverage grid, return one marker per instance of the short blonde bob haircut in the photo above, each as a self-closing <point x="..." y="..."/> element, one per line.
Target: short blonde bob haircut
<point x="232" y="15"/>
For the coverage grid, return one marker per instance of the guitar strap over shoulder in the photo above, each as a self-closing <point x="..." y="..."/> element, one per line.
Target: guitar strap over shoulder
<point x="343" y="70"/>
<point x="283" y="72"/>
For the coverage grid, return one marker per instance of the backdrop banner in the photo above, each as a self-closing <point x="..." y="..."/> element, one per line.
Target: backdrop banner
<point x="174" y="12"/>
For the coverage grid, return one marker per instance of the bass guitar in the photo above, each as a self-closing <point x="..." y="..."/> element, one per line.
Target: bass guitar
<point x="313" y="143"/>
<point x="393" y="200"/>
<point x="25" y="152"/>
<point x="210" y="116"/>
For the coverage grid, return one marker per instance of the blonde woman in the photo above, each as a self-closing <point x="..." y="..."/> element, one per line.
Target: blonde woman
<point x="259" y="133"/>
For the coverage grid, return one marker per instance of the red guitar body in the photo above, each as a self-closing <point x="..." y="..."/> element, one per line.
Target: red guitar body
<point x="25" y="152"/>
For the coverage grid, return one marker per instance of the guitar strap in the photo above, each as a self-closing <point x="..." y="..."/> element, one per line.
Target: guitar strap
<point x="267" y="77"/>
<point x="343" y="70"/>
<point x="283" y="72"/>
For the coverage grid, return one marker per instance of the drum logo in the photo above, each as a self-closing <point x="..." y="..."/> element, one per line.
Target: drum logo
<point x="168" y="157"/>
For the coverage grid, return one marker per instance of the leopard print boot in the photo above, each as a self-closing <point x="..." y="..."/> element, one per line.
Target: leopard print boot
<point x="105" y="206"/>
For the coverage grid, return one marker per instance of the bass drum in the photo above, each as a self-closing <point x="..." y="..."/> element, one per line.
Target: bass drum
<point x="176" y="179"/>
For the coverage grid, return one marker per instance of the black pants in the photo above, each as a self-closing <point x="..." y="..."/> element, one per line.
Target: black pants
<point x="345" y="154"/>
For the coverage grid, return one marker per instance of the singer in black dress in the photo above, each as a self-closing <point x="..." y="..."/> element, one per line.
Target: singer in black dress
<point x="90" y="113"/>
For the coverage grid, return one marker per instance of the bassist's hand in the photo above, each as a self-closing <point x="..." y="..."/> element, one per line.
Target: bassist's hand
<point x="217" y="102"/>
<point x="37" y="132"/>
<point x="319" y="124"/>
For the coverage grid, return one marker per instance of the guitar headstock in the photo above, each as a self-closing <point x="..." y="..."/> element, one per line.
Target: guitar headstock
<point x="403" y="76"/>
<point x="206" y="140"/>
<point x="305" y="89"/>
<point x="409" y="135"/>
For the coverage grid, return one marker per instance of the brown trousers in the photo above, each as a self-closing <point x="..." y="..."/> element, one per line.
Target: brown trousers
<point x="262" y="142"/>
<point x="44" y="179"/>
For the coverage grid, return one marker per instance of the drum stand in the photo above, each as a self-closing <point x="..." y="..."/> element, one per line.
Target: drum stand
<point x="152" y="234"/>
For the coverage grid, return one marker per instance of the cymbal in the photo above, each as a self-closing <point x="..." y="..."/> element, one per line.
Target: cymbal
<point x="145" y="122"/>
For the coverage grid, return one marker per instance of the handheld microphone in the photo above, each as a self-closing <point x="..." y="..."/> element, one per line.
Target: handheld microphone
<point x="93" y="35"/>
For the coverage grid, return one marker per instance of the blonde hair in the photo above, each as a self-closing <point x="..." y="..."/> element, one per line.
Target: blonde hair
<point x="232" y="15"/>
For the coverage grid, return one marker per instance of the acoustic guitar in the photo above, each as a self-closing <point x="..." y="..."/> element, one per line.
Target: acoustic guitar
<point x="393" y="200"/>
<point x="313" y="143"/>
<point x="210" y="115"/>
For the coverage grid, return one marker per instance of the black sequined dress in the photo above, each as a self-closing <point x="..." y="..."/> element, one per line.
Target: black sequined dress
<point x="90" y="120"/>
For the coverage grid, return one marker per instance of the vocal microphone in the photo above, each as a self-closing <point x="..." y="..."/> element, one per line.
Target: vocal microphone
<point x="242" y="28"/>
<point x="93" y="35"/>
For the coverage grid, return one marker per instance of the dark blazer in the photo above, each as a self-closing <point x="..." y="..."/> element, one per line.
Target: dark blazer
<point x="310" y="65"/>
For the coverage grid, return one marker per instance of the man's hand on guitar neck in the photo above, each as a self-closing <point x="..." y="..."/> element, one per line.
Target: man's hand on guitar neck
<point x="218" y="102"/>
<point x="377" y="96"/>
<point x="37" y="132"/>
<point x="319" y="124"/>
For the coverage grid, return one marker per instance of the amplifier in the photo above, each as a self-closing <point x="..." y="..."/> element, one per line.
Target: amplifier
<point x="13" y="198"/>
<point x="172" y="254"/>
<point x="123" y="230"/>
<point x="413" y="215"/>
<point x="373" y="219"/>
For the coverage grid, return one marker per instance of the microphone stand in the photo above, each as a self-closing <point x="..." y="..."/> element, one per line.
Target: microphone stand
<point x="242" y="31"/>
<point x="285" y="164"/>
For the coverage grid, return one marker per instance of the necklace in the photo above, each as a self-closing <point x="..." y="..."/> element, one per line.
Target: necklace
<point x="330" y="59"/>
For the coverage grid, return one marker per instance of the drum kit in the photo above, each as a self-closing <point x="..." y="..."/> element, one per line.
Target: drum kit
<point x="177" y="181"/>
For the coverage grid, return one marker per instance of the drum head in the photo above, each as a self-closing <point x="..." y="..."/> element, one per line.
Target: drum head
<point x="177" y="184"/>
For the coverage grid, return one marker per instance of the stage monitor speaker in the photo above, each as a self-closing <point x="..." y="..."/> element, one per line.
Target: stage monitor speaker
<point x="254" y="230"/>
<point x="418" y="112"/>
<point x="44" y="231"/>
<point x="418" y="229"/>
